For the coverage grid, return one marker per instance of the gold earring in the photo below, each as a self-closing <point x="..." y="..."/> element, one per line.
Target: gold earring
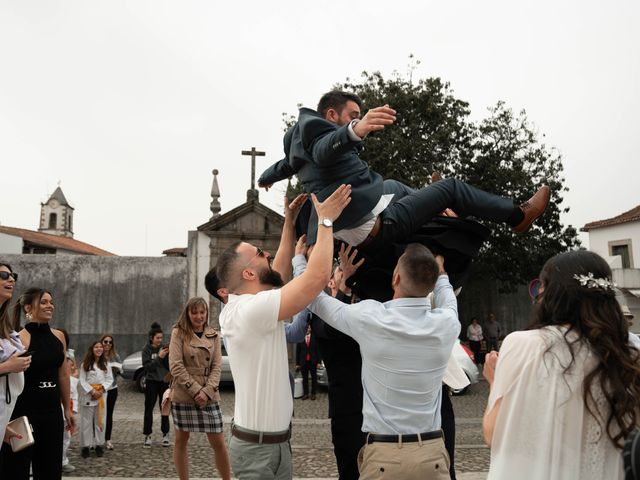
<point x="28" y="315"/>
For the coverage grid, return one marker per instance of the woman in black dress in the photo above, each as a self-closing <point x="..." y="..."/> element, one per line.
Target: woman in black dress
<point x="46" y="387"/>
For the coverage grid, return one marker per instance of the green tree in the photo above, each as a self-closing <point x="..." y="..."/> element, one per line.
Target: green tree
<point x="502" y="154"/>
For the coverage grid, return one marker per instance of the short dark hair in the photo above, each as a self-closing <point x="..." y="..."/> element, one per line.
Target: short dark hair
<point x="212" y="283"/>
<point x="420" y="270"/>
<point x="336" y="99"/>
<point x="226" y="262"/>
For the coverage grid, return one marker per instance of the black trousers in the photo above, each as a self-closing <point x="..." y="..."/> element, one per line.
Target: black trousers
<point x="309" y="368"/>
<point x="348" y="438"/>
<point x="475" y="348"/>
<point x="45" y="456"/>
<point x="112" y="396"/>
<point x="413" y="208"/>
<point x="152" y="394"/>
<point x="448" y="428"/>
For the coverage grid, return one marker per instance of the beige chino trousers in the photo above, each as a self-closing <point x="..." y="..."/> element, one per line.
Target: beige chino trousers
<point x="426" y="460"/>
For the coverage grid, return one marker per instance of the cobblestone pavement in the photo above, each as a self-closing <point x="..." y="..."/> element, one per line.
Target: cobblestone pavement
<point x="311" y="441"/>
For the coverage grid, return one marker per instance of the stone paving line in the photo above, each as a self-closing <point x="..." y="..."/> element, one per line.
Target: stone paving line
<point x="311" y="441"/>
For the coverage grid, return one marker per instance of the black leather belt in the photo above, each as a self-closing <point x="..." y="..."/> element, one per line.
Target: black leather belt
<point x="260" y="437"/>
<point x="377" y="437"/>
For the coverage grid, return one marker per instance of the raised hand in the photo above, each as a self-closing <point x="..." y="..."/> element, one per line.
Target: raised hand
<point x="489" y="369"/>
<point x="374" y="120"/>
<point x="292" y="209"/>
<point x="347" y="256"/>
<point x="301" y="246"/>
<point x="333" y="206"/>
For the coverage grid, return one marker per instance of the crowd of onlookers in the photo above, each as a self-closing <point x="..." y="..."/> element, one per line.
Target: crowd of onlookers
<point x="563" y="400"/>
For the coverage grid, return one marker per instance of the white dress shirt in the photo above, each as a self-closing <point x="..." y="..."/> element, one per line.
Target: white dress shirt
<point x="405" y="347"/>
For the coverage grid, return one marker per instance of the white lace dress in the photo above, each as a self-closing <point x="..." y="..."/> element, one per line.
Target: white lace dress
<point x="543" y="429"/>
<point x="14" y="381"/>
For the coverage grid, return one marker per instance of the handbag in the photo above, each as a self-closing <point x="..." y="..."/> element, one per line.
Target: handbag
<point x="22" y="427"/>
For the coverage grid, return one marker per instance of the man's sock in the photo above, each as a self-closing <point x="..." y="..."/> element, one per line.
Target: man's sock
<point x="516" y="216"/>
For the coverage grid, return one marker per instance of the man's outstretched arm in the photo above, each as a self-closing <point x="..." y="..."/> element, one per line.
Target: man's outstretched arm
<point x="282" y="260"/>
<point x="276" y="172"/>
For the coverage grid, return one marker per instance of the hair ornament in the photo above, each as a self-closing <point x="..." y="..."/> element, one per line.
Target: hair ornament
<point x="590" y="281"/>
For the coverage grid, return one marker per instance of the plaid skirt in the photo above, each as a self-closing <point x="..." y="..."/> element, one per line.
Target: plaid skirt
<point x="190" y="418"/>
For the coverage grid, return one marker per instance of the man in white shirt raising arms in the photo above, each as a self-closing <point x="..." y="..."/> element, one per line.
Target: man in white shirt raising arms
<point x="255" y="336"/>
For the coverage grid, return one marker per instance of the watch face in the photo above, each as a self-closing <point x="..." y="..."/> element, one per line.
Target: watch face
<point x="326" y="222"/>
<point x="53" y="203"/>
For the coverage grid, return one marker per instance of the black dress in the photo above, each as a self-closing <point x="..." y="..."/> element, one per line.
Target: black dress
<point x="40" y="402"/>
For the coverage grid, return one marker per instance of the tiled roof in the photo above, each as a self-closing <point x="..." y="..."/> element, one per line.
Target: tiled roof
<point x="632" y="215"/>
<point x="54" y="241"/>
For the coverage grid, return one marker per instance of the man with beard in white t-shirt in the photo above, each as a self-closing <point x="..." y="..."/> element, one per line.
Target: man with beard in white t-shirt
<point x="254" y="333"/>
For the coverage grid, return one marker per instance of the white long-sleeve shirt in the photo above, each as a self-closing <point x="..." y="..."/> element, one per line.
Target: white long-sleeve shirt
<point x="93" y="376"/>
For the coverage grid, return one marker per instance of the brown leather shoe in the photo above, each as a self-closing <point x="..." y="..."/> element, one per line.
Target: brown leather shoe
<point x="533" y="208"/>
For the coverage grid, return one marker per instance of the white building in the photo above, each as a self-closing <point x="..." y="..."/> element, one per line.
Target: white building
<point x="617" y="239"/>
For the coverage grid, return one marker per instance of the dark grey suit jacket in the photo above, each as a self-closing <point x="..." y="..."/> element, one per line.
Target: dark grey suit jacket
<point x="323" y="157"/>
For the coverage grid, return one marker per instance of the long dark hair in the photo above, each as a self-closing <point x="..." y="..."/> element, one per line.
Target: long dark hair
<point x="593" y="313"/>
<point x="31" y="297"/>
<point x="6" y="325"/>
<point x="90" y="358"/>
<point x="184" y="320"/>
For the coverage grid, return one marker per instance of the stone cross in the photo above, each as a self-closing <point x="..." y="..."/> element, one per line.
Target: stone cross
<point x="253" y="153"/>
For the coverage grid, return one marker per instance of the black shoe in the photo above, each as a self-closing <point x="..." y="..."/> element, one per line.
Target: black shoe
<point x="99" y="451"/>
<point x="85" y="452"/>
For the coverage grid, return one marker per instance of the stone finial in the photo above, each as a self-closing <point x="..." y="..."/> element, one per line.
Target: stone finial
<point x="215" y="195"/>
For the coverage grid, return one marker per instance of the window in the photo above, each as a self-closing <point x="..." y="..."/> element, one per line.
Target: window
<point x="623" y="249"/>
<point x="53" y="221"/>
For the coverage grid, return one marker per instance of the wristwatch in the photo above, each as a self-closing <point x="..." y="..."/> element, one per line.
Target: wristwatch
<point x="326" y="222"/>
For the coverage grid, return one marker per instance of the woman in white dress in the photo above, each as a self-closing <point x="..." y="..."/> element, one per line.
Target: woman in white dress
<point x="95" y="379"/>
<point x="565" y="393"/>
<point x="11" y="364"/>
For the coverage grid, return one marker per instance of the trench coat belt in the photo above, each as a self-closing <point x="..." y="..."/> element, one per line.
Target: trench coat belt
<point x="199" y="370"/>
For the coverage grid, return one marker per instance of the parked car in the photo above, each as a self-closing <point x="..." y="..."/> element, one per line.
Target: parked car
<point x="132" y="369"/>
<point x="464" y="357"/>
<point x="462" y="354"/>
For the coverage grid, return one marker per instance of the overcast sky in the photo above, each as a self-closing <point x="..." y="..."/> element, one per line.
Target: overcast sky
<point x="131" y="104"/>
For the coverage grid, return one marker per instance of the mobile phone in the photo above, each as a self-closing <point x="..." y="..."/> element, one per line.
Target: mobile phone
<point x="28" y="353"/>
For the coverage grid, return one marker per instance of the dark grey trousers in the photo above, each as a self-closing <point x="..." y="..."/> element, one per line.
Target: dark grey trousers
<point x="411" y="208"/>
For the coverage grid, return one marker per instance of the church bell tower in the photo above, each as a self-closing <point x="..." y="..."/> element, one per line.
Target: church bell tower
<point x="56" y="215"/>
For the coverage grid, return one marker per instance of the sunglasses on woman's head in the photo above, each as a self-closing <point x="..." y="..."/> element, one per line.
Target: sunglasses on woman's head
<point x="6" y="275"/>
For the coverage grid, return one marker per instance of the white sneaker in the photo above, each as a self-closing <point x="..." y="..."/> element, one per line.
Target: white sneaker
<point x="68" y="468"/>
<point x="109" y="445"/>
<point x="147" y="441"/>
<point x="165" y="441"/>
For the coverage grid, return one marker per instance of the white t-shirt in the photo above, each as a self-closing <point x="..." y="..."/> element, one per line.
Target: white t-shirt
<point x="543" y="430"/>
<point x="257" y="351"/>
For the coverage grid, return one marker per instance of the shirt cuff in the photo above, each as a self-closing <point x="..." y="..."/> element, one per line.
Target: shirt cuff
<point x="352" y="135"/>
<point x="299" y="261"/>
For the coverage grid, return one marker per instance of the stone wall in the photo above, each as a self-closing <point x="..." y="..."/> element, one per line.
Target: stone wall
<point x="479" y="298"/>
<point x="117" y="295"/>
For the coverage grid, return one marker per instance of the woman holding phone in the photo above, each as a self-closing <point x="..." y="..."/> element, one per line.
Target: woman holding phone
<point x="13" y="361"/>
<point x="155" y="360"/>
<point x="46" y="386"/>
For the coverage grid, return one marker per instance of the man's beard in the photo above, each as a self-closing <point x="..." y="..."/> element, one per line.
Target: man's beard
<point x="271" y="277"/>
